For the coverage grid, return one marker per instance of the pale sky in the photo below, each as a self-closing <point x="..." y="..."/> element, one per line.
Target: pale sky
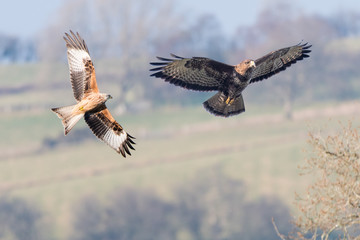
<point x="25" y="18"/>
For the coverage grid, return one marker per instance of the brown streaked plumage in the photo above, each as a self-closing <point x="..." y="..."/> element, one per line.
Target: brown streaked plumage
<point x="90" y="103"/>
<point x="204" y="74"/>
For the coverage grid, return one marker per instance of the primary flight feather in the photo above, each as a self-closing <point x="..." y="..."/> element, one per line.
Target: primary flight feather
<point x="204" y="74"/>
<point x="90" y="103"/>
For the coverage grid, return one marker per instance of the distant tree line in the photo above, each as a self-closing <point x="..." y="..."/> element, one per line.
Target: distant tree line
<point x="124" y="36"/>
<point x="213" y="206"/>
<point x="19" y="220"/>
<point x="15" y="50"/>
<point x="134" y="33"/>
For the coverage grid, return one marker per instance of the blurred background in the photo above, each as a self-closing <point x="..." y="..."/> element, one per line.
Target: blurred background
<point x="193" y="175"/>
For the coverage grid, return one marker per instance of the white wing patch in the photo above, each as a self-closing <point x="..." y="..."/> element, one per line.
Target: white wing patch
<point x="115" y="141"/>
<point x="110" y="132"/>
<point x="78" y="74"/>
<point x="76" y="58"/>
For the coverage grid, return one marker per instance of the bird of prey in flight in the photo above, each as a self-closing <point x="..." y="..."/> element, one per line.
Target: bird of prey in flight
<point x="90" y="102"/>
<point x="204" y="74"/>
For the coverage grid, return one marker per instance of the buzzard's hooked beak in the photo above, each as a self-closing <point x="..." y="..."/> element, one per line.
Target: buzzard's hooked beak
<point x="252" y="63"/>
<point x="109" y="96"/>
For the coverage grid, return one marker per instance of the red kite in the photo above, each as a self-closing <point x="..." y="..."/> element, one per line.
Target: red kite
<point x="90" y="102"/>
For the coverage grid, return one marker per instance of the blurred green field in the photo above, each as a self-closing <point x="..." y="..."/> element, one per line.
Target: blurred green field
<point x="174" y="145"/>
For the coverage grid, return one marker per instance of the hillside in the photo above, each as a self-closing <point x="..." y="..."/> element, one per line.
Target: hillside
<point x="173" y="146"/>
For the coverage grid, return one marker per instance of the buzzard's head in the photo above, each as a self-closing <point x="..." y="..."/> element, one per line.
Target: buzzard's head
<point x="108" y="96"/>
<point x="252" y="63"/>
<point x="245" y="66"/>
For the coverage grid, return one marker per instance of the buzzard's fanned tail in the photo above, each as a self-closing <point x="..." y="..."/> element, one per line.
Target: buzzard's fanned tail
<point x="221" y="105"/>
<point x="68" y="118"/>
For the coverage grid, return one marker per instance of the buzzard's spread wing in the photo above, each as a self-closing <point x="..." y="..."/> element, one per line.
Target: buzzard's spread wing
<point x="277" y="61"/>
<point x="82" y="72"/>
<point x="195" y="73"/>
<point x="108" y="130"/>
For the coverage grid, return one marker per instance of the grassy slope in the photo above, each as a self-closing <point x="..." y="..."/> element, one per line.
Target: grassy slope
<point x="173" y="146"/>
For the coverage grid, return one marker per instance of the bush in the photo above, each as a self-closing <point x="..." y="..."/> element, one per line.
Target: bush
<point x="331" y="206"/>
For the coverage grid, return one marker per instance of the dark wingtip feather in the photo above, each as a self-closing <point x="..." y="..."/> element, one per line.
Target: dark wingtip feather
<point x="122" y="152"/>
<point x="126" y="149"/>
<point x="156" y="69"/>
<point x="158" y="75"/>
<point x="75" y="41"/>
<point x="175" y="56"/>
<point x="130" y="136"/>
<point x="130" y="146"/>
<point x="305" y="49"/>
<point x="157" y="63"/>
<point x="66" y="36"/>
<point x="68" y="39"/>
<point x="164" y="59"/>
<point x="303" y="45"/>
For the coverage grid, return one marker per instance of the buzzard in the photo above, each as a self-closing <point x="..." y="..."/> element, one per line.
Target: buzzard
<point x="204" y="74"/>
<point x="90" y="102"/>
